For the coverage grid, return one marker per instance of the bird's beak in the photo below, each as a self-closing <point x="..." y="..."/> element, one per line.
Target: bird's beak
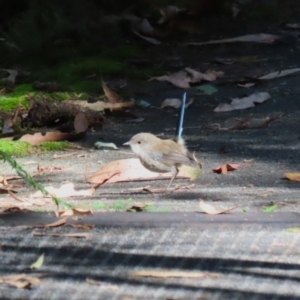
<point x="126" y="144"/>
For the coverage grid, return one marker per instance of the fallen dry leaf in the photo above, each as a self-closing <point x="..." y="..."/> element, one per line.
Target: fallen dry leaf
<point x="82" y="226"/>
<point x="137" y="207"/>
<point x="179" y="79"/>
<point x="183" y="78"/>
<point x="225" y="168"/>
<point x="101" y="105"/>
<point x="170" y="274"/>
<point x="131" y="169"/>
<point x="73" y="235"/>
<point x="38" y="263"/>
<point x="171" y="102"/>
<point x="209" y="75"/>
<point x="254" y="38"/>
<point x="175" y="102"/>
<point x="73" y="211"/>
<point x="11" y="193"/>
<point x="210" y="210"/>
<point x="243" y="103"/>
<point x="57" y="223"/>
<point x="48" y="169"/>
<point x="21" y="281"/>
<point x="65" y="191"/>
<point x="112" y="96"/>
<point x="4" y="179"/>
<point x="38" y="138"/>
<point x="102" y="284"/>
<point x="278" y="74"/>
<point x="292" y="176"/>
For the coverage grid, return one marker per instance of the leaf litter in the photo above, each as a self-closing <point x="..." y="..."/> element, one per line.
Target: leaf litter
<point x="183" y="78"/>
<point x="224" y="169"/>
<point x="210" y="210"/>
<point x="21" y="281"/>
<point x="132" y="170"/>
<point x="243" y="103"/>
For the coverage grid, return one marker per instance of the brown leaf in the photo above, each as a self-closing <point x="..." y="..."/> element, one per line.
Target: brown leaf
<point x="225" y="168"/>
<point x="73" y="211"/>
<point x="243" y="103"/>
<point x="11" y="193"/>
<point x="6" y="190"/>
<point x="111" y="95"/>
<point x="131" y="169"/>
<point x="278" y="74"/>
<point x="57" y="223"/>
<point x="81" y="123"/>
<point x="137" y="207"/>
<point x="210" y="210"/>
<point x="38" y="138"/>
<point x="101" y="105"/>
<point x="209" y="75"/>
<point x="102" y="284"/>
<point x="179" y="79"/>
<point x="292" y="176"/>
<point x="82" y="226"/>
<point x="21" y="281"/>
<point x="172" y="274"/>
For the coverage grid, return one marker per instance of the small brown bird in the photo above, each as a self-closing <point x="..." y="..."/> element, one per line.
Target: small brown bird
<point x="159" y="155"/>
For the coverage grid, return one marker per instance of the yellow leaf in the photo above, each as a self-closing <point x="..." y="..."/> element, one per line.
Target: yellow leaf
<point x="292" y="176"/>
<point x="38" y="263"/>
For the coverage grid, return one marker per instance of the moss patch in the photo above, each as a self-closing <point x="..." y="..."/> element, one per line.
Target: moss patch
<point x="17" y="97"/>
<point x="15" y="148"/>
<point x="54" y="146"/>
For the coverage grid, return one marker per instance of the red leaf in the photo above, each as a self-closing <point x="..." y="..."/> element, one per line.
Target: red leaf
<point x="225" y="168"/>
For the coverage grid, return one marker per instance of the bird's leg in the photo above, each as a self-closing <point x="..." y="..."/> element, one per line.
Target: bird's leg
<point x="174" y="173"/>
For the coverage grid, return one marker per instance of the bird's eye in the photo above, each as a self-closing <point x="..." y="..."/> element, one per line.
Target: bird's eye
<point x="139" y="142"/>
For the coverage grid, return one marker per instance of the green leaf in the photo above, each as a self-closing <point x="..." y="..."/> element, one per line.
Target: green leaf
<point x="270" y="208"/>
<point x="207" y="89"/>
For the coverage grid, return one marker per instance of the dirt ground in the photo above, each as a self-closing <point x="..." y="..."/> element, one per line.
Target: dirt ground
<point x="264" y="154"/>
<point x="247" y="254"/>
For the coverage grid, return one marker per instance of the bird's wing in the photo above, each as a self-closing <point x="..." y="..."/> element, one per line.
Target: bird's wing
<point x="170" y="158"/>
